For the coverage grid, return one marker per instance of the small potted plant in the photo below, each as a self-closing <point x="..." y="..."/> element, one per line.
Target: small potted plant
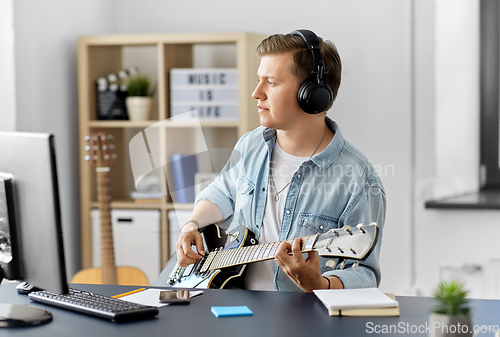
<point x="451" y="314"/>
<point x="140" y="97"/>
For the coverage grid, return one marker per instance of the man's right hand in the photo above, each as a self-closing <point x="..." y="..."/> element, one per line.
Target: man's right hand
<point x="189" y="236"/>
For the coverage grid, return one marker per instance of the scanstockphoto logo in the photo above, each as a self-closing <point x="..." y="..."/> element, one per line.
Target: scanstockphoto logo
<point x="434" y="329"/>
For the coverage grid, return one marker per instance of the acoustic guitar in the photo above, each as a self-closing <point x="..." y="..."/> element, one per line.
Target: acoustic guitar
<point x="101" y="158"/>
<point x="228" y="254"/>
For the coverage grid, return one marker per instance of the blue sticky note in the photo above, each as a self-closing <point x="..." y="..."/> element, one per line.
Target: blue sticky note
<point x="232" y="311"/>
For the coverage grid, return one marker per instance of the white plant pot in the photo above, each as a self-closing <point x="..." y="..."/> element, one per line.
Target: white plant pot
<point x="139" y="108"/>
<point x="450" y="326"/>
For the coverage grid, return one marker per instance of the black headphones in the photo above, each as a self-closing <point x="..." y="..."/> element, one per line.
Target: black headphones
<point x="314" y="94"/>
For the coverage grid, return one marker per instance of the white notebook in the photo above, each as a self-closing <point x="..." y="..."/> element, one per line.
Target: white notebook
<point x="344" y="299"/>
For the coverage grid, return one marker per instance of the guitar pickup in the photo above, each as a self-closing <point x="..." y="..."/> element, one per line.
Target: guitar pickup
<point x="176" y="275"/>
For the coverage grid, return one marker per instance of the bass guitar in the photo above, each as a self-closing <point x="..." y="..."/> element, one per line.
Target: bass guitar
<point x="228" y="254"/>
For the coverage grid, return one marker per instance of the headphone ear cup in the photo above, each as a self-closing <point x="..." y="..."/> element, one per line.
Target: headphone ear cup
<point x="314" y="97"/>
<point x="303" y="95"/>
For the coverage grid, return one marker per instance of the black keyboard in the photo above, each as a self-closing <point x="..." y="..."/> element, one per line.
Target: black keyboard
<point x="97" y="305"/>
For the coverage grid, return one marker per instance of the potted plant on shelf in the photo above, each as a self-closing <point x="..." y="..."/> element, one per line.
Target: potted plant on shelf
<point x="140" y="97"/>
<point x="451" y="314"/>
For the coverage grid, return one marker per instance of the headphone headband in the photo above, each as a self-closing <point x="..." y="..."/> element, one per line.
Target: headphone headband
<point x="314" y="94"/>
<point x="312" y="43"/>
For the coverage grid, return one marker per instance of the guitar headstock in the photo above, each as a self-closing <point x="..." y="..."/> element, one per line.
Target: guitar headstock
<point x="347" y="242"/>
<point x="100" y="149"/>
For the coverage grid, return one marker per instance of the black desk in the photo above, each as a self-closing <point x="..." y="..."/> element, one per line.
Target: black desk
<point x="274" y="314"/>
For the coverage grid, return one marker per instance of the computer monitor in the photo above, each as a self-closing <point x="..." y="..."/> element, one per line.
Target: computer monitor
<point x="31" y="243"/>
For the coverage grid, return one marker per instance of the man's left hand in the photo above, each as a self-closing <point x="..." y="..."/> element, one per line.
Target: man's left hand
<point x="306" y="273"/>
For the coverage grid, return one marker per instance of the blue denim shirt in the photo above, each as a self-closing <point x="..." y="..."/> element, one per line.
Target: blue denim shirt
<point x="334" y="188"/>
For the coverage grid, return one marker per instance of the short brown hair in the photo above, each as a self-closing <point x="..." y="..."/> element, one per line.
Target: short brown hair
<point x="302" y="58"/>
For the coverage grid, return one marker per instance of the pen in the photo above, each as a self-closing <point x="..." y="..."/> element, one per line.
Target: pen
<point x="128" y="293"/>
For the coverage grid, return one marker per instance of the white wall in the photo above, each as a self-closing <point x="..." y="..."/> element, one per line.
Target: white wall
<point x="7" y="73"/>
<point x="457" y="96"/>
<point x="46" y="82"/>
<point x="423" y="138"/>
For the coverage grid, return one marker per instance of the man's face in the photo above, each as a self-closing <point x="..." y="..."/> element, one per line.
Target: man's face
<point x="276" y="92"/>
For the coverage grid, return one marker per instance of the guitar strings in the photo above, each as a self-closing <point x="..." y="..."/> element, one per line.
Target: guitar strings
<point x="247" y="254"/>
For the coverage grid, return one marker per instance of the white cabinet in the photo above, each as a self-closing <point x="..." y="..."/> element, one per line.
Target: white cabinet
<point x="136" y="238"/>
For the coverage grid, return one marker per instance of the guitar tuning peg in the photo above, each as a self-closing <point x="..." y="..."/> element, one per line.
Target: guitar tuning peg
<point x="334" y="232"/>
<point x="86" y="138"/>
<point x="103" y="137"/>
<point x="331" y="263"/>
<point x="87" y="148"/>
<point x="342" y="265"/>
<point x="355" y="265"/>
<point x="112" y="146"/>
<point x="106" y="157"/>
<point x="110" y="137"/>
<point x="87" y="158"/>
<point x="114" y="156"/>
<point x="347" y="228"/>
<point x="360" y="227"/>
<point x="104" y="147"/>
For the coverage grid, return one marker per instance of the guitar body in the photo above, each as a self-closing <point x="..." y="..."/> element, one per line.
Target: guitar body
<point x="125" y="276"/>
<point x="192" y="277"/>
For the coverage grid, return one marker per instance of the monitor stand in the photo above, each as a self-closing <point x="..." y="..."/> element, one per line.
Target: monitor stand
<point x="18" y="315"/>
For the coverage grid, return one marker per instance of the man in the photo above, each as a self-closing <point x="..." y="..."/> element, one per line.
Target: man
<point x="296" y="176"/>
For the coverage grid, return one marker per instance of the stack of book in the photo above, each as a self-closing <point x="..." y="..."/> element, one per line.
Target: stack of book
<point x="358" y="302"/>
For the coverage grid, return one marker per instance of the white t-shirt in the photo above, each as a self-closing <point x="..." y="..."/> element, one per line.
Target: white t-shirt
<point x="260" y="275"/>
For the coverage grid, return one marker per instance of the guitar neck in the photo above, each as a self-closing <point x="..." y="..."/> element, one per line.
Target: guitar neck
<point x="107" y="247"/>
<point x="248" y="254"/>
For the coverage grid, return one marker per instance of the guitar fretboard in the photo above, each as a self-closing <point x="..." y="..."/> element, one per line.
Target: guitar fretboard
<point x="247" y="254"/>
<point x="109" y="275"/>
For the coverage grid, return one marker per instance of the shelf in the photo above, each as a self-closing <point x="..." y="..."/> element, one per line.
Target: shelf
<point x="129" y="203"/>
<point x="173" y="38"/>
<point x="484" y="199"/>
<point x="208" y="124"/>
<point x="156" y="55"/>
<point x="187" y="206"/>
<point x="167" y="124"/>
<point x="121" y="124"/>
